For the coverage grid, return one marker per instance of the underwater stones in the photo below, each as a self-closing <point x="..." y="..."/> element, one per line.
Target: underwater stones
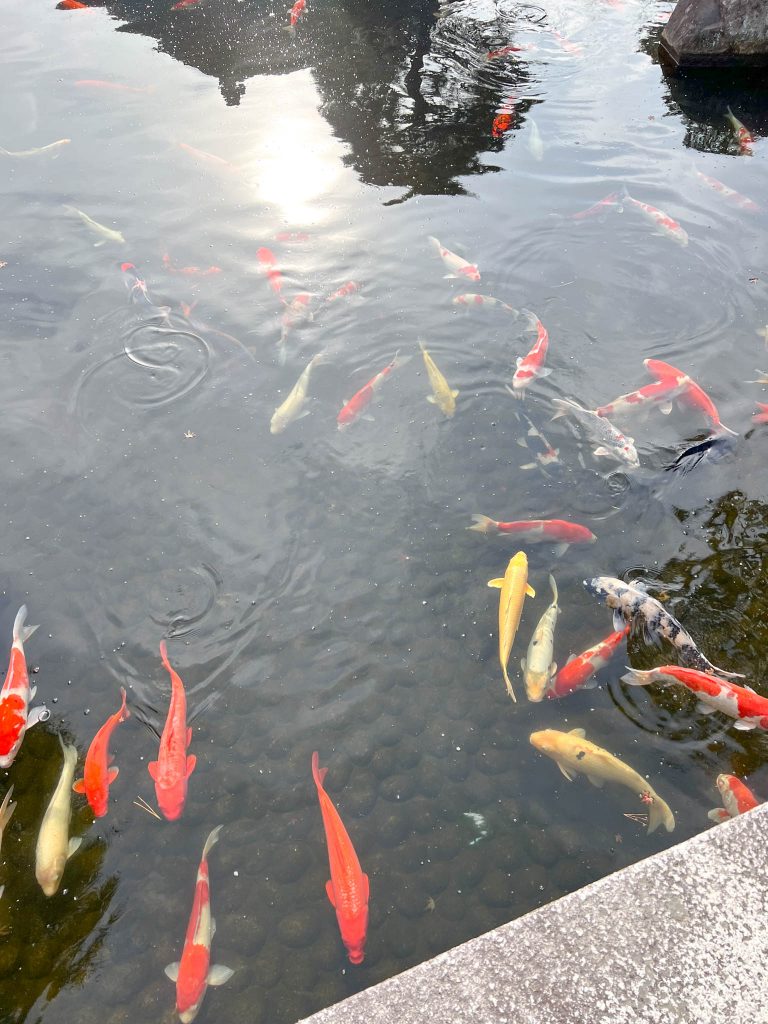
<point x="247" y="1007"/>
<point x="398" y="940"/>
<point x="496" y="890"/>
<point x="392" y="828"/>
<point x="492" y="761"/>
<point x="245" y="933"/>
<point x="360" y="798"/>
<point x="431" y="779"/>
<point x="384" y="763"/>
<point x="293" y="862"/>
<point x="299" y="928"/>
<point x="271" y="964"/>
<point x="124" y="980"/>
<point x="10" y="950"/>
<point x="398" y="787"/>
<point x="716" y="34"/>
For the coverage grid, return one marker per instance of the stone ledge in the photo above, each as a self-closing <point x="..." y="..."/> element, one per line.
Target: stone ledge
<point x="679" y="938"/>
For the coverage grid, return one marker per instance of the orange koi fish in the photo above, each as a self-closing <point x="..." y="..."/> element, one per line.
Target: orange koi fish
<point x="15" y="717"/>
<point x="268" y="266"/>
<point x="530" y="367"/>
<point x="457" y="265"/>
<point x="71" y="5"/>
<point x="98" y="776"/>
<point x="503" y="120"/>
<point x="295" y="13"/>
<point x="665" y="224"/>
<point x="348" y="888"/>
<point x="341" y="293"/>
<point x="173" y="767"/>
<point x="189" y="271"/>
<point x="600" y="207"/>
<point x="566" y="44"/>
<point x="579" y="672"/>
<point x="691" y="395"/>
<point x="504" y="51"/>
<point x="193" y="973"/>
<point x="762" y="416"/>
<point x="208" y="158"/>
<point x="353" y="409"/>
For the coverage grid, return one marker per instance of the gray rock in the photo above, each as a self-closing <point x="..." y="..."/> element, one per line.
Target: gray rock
<point x="717" y="33"/>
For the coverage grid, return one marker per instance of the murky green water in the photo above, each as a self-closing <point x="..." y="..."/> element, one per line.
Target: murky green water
<point x="318" y="589"/>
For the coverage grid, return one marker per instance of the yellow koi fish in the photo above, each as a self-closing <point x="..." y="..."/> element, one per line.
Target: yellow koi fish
<point x="513" y="586"/>
<point x="293" y="406"/>
<point x="54" y="846"/>
<point x="443" y="397"/>
<point x="572" y="753"/>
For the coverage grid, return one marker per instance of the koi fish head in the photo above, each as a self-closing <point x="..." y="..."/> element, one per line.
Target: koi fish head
<point x="171" y="799"/>
<point x="603" y="587"/>
<point x="191" y="982"/>
<point x="49" y="879"/>
<point x="353" y="934"/>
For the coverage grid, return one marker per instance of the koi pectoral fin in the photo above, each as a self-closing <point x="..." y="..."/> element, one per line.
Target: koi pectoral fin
<point x="497" y="583"/>
<point x="79" y="786"/>
<point x="152" y="768"/>
<point x="112" y="774"/>
<point x="719" y="814"/>
<point x="191" y="762"/>
<point x="218" y="974"/>
<point x="172" y="971"/>
<point x="330" y="893"/>
<point x="367" y="885"/>
<point x="529" y="590"/>
<point x="74" y="846"/>
<point x="565" y="772"/>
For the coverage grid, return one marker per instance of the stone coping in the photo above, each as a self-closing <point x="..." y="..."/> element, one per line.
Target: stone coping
<point x="678" y="938"/>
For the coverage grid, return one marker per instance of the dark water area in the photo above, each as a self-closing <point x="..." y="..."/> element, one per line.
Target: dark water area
<point x="317" y="589"/>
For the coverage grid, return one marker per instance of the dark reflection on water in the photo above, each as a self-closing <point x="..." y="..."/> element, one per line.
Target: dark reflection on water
<point x="319" y="590"/>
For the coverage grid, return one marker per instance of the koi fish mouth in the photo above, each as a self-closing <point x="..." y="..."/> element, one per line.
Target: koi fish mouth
<point x="356" y="957"/>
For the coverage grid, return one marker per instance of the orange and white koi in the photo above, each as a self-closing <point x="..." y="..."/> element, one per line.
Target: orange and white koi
<point x="579" y="672"/>
<point x="664" y="224"/>
<point x="189" y="271"/>
<point x="341" y="293"/>
<point x="531" y="366"/>
<point x="748" y="709"/>
<point x="295" y="13"/>
<point x="660" y="393"/>
<point x="729" y="193"/>
<point x="691" y="394"/>
<point x="762" y="416"/>
<point x="506" y="50"/>
<point x="741" y="134"/>
<point x="348" y="888"/>
<point x="458" y="266"/>
<point x="71" y="5"/>
<point x="268" y="267"/>
<point x="208" y="158"/>
<point x="737" y="799"/>
<point x="194" y="973"/>
<point x="482" y="301"/>
<point x="612" y="199"/>
<point x="354" y="408"/>
<point x="566" y="44"/>
<point x="173" y="766"/>
<point x="15" y="716"/>
<point x="98" y="776"/>
<point x="502" y="122"/>
<point x="559" y="532"/>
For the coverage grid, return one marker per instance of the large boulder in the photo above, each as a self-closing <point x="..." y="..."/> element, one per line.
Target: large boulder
<point x="717" y="33"/>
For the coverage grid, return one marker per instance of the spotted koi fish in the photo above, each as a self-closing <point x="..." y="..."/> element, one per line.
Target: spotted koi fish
<point x="664" y="224"/>
<point x="748" y="709"/>
<point x="15" y="716"/>
<point x="742" y="135"/>
<point x="729" y="193"/>
<point x="737" y="799"/>
<point x="483" y="301"/>
<point x="531" y="366"/>
<point x="457" y="265"/>
<point x="690" y="394"/>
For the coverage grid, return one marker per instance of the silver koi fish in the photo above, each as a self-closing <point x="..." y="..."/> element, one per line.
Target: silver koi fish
<point x="612" y="443"/>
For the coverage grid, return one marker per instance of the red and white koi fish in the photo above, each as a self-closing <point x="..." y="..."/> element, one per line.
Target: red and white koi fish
<point x="502" y="122"/>
<point x="98" y="776"/>
<point x="341" y="293"/>
<point x="664" y="224"/>
<point x="15" y="716"/>
<point x="543" y="452"/>
<point x="742" y="135"/>
<point x="354" y="408"/>
<point x="612" y="199"/>
<point x="208" y="158"/>
<point x="189" y="271"/>
<point x="690" y="394"/>
<point x="579" y="672"/>
<point x="530" y="367"/>
<point x="97" y="83"/>
<point x="458" y="266"/>
<point x="748" y="709"/>
<point x="559" y="532"/>
<point x="173" y="767"/>
<point x="268" y="267"/>
<point x="295" y="312"/>
<point x="292" y="236"/>
<point x="194" y="973"/>
<point x="729" y="193"/>
<point x="566" y="44"/>
<point x="183" y="5"/>
<point x="505" y="51"/>
<point x="348" y="887"/>
<point x="484" y="301"/>
<point x="762" y="416"/>
<point x="660" y="393"/>
<point x="737" y="798"/>
<point x="295" y="13"/>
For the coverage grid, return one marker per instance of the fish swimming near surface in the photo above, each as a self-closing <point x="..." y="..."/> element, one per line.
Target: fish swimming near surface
<point x="483" y="301"/>
<point x="98" y="776"/>
<point x="504" y="51"/>
<point x="457" y="265"/>
<point x="189" y="271"/>
<point x="359" y="402"/>
<point x="559" y="532"/>
<point x="531" y="366"/>
<point x="194" y="973"/>
<point x="573" y="753"/>
<point x="209" y="158"/>
<point x="107" y="234"/>
<point x="728" y="193"/>
<point x="139" y="293"/>
<point x="660" y="395"/>
<point x="535" y="141"/>
<point x="503" y="120"/>
<point x="762" y="415"/>
<point x="538" y="667"/>
<point x="295" y="13"/>
<point x="348" y="888"/>
<point x="544" y="454"/>
<point x="612" y="443"/>
<point x="664" y="224"/>
<point x="293" y="406"/>
<point x="632" y="604"/>
<point x="443" y="396"/>
<point x="268" y="267"/>
<point x="567" y="45"/>
<point x="72" y="5"/>
<point x="690" y="394"/>
<point x="15" y="716"/>
<point x="612" y="199"/>
<point x="54" y="845"/>
<point x="748" y="709"/>
<point x="342" y="293"/>
<point x="737" y="799"/>
<point x="173" y="766"/>
<point x="579" y="672"/>
<point x="6" y="812"/>
<point x="297" y="311"/>
<point x="514" y="587"/>
<point x="741" y="134"/>
<point x="52" y="147"/>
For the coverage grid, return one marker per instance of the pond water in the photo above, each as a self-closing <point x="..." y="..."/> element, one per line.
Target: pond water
<point x="317" y="588"/>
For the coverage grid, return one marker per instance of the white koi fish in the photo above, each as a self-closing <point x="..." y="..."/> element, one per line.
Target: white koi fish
<point x="613" y="444"/>
<point x="538" y="667"/>
<point x="54" y="847"/>
<point x="535" y="141"/>
<point x="458" y="266"/>
<point x="52" y="146"/>
<point x="108" y="235"/>
<point x="484" y="301"/>
<point x="293" y="406"/>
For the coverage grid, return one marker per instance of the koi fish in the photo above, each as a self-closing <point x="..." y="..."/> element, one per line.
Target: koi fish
<point x="108" y="235"/>
<point x="208" y="158"/>
<point x="458" y="266"/>
<point x="664" y="224"/>
<point x="632" y="604"/>
<point x="544" y="454"/>
<point x="728" y="193"/>
<point x="572" y="752"/>
<point x="613" y="444"/>
<point x="353" y="409"/>
<point x="173" y="767"/>
<point x="139" y="294"/>
<point x="748" y="709"/>
<point x="98" y="776"/>
<point x="503" y="52"/>
<point x="52" y="146"/>
<point x="295" y="312"/>
<point x="97" y="83"/>
<point x="291" y="408"/>
<point x="762" y="416"/>
<point x="15" y="717"/>
<point x="341" y="293"/>
<point x="502" y="122"/>
<point x="194" y="973"/>
<point x="559" y="532"/>
<point x="737" y="799"/>
<point x="469" y="299"/>
<point x="690" y="394"/>
<point x="600" y="207"/>
<point x="659" y="394"/>
<point x="54" y="846"/>
<point x="442" y="396"/>
<point x="538" y="667"/>
<point x="348" y="888"/>
<point x="578" y="673"/>
<point x="6" y="812"/>
<point x="566" y="44"/>
<point x="71" y="5"/>
<point x="292" y="236"/>
<point x="295" y="13"/>
<point x="513" y="586"/>
<point x="268" y="267"/>
<point x="531" y="367"/>
<point x="183" y="5"/>
<point x="742" y="135"/>
<point x="189" y="271"/>
<point x="535" y="141"/>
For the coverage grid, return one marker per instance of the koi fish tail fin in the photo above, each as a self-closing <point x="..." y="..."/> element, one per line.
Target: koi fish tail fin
<point x="400" y="361"/>
<point x="722" y="429"/>
<point x="318" y="773"/>
<point x="6" y="810"/>
<point x="553" y="586"/>
<point x="659" y="813"/>
<point x="164" y="656"/>
<point x="21" y="632"/>
<point x="565" y="406"/>
<point x="69" y="750"/>
<point x="635" y="677"/>
<point x="482" y="524"/>
<point x="510" y="690"/>
<point x="718" y="815"/>
<point x="125" y="711"/>
<point x="213" y="838"/>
